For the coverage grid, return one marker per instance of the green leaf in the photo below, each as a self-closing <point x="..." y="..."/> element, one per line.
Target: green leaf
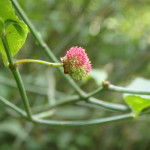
<point x="2" y="26"/>
<point x="18" y="27"/>
<point x="138" y="102"/>
<point x="16" y="31"/>
<point x="13" y="127"/>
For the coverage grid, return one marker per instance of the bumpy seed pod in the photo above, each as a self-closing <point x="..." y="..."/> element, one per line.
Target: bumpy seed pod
<point x="76" y="63"/>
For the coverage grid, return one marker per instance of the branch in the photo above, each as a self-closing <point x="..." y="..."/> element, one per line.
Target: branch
<point x="81" y="123"/>
<point x="117" y="107"/>
<point x="64" y="123"/>
<point x="17" y="77"/>
<point x="45" y="114"/>
<point x="95" y="92"/>
<point x="75" y="99"/>
<point x="110" y="87"/>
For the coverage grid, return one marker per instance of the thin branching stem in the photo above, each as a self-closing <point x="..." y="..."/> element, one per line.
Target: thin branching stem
<point x="110" y="87"/>
<point x="126" y="90"/>
<point x="91" y="100"/>
<point x="81" y="123"/>
<point x="108" y="105"/>
<point x="64" y="123"/>
<point x="45" y="114"/>
<point x="95" y="92"/>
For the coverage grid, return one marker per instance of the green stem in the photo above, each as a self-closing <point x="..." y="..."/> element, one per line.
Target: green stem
<point x="13" y="107"/>
<point x="95" y="92"/>
<point x="64" y="123"/>
<point x="125" y="90"/>
<point x="44" y="46"/>
<point x="81" y="123"/>
<point x="45" y="114"/>
<point x="75" y="98"/>
<point x="38" y="61"/>
<point x="17" y="77"/>
<point x="107" y="105"/>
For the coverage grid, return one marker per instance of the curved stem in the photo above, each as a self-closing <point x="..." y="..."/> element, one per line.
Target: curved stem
<point x="95" y="92"/>
<point x="17" y="77"/>
<point x="81" y="123"/>
<point x="38" y="61"/>
<point x="107" y="105"/>
<point x="64" y="123"/>
<point x="126" y="90"/>
<point x="91" y="100"/>
<point x="45" y="114"/>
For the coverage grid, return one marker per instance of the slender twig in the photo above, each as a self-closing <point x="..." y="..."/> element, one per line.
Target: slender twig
<point x="13" y="107"/>
<point x="17" y="77"/>
<point x="65" y="123"/>
<point x="107" y="105"/>
<point x="95" y="92"/>
<point x="75" y="99"/>
<point x="44" y="46"/>
<point x="38" y="61"/>
<point x="95" y="106"/>
<point x="45" y="114"/>
<point x="126" y="90"/>
<point x="81" y="123"/>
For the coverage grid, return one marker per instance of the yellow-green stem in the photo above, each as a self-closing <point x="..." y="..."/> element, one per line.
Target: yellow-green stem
<point x="38" y="61"/>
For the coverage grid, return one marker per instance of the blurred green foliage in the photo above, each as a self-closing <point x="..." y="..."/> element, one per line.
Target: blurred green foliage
<point x="116" y="36"/>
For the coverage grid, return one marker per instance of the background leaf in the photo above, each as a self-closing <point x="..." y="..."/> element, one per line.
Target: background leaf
<point x="138" y="102"/>
<point x="98" y="75"/>
<point x="139" y="84"/>
<point x="15" y="39"/>
<point x="13" y="127"/>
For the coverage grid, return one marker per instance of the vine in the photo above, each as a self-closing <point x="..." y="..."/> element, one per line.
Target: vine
<point x="78" y="68"/>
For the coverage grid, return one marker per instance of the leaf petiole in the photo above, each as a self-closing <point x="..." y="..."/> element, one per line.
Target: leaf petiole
<point x="37" y="61"/>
